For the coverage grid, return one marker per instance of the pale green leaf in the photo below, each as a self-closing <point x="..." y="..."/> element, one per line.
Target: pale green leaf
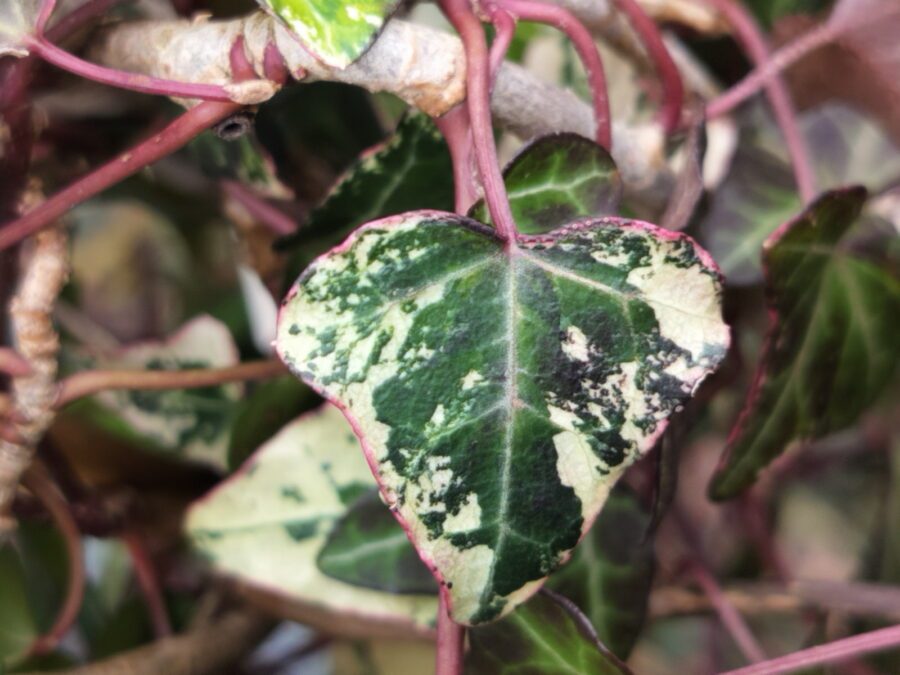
<point x="189" y="423"/>
<point x="832" y="344"/>
<point x="337" y="33"/>
<point x="266" y="526"/>
<point x="501" y="391"/>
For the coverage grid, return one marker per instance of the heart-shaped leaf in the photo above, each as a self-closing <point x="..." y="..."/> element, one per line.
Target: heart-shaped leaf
<point x="17" y="21"/>
<point x="336" y="33"/>
<point x="547" y="635"/>
<point x="189" y="423"/>
<point x="367" y="548"/>
<point x="499" y="391"/>
<point x="611" y="571"/>
<point x="267" y="525"/>
<point x="558" y="179"/>
<point x="832" y="344"/>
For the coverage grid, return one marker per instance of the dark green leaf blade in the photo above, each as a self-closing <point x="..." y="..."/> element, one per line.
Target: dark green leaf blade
<point x="500" y="392"/>
<point x="558" y="179"/>
<point x="368" y="548"/>
<point x="337" y="33"/>
<point x="610" y="574"/>
<point x="832" y="344"/>
<point x="546" y="636"/>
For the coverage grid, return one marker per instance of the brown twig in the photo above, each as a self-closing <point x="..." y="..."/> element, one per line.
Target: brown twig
<point x="41" y="486"/>
<point x="148" y="582"/>
<point x="91" y="382"/>
<point x="33" y="395"/>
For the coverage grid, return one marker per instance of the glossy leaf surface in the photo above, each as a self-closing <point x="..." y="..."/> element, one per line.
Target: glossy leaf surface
<point x="546" y="635"/>
<point x="267" y="525"/>
<point x="832" y="343"/>
<point x="558" y="179"/>
<point x="337" y="33"/>
<point x="611" y="571"/>
<point x="499" y="393"/>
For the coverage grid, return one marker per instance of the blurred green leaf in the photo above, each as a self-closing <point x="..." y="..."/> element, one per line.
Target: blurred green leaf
<point x="546" y="636"/>
<point x="368" y="548"/>
<point x="610" y="574"/>
<point x="832" y="345"/>
<point x="18" y="626"/>
<point x="556" y="180"/>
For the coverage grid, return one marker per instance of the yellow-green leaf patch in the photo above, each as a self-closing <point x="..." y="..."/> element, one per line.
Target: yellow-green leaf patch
<point x="500" y="391"/>
<point x="335" y="32"/>
<point x="267" y="525"/>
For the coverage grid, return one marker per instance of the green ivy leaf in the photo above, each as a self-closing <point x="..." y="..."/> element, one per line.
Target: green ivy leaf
<point x="610" y="574"/>
<point x="411" y="171"/>
<point x="558" y="179"/>
<point x="832" y="343"/>
<point x="500" y="392"/>
<point x="367" y="548"/>
<point x="192" y="424"/>
<point x="337" y="33"/>
<point x="548" y="635"/>
<point x="268" y="523"/>
<point x="18" y="626"/>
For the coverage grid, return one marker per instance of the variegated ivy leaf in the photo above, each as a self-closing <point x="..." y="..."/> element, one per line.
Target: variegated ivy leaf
<point x="611" y="571"/>
<point x="558" y="179"/>
<point x="335" y="32"/>
<point x="268" y="524"/>
<point x="832" y="344"/>
<point x="17" y="20"/>
<point x="547" y="635"/>
<point x="189" y="423"/>
<point x="500" y="391"/>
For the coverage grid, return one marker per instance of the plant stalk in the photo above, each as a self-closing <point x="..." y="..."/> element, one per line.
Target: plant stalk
<point x="173" y="137"/>
<point x="450" y="639"/>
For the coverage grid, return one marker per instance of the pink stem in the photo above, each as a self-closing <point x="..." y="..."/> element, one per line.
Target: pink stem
<point x="124" y="80"/>
<point x="788" y="55"/>
<point x="754" y="43"/>
<point x="673" y="89"/>
<point x="833" y="652"/>
<point x="450" y="639"/>
<point x="46" y="9"/>
<point x="583" y="42"/>
<point x="457" y="131"/>
<point x="148" y="583"/>
<point x="170" y="139"/>
<point x="12" y="363"/>
<point x="276" y="220"/>
<point x="478" y="100"/>
<point x="46" y="491"/>
<point x="241" y="68"/>
<point x="274" y="66"/>
<point x="505" y="25"/>
<point x="729" y="616"/>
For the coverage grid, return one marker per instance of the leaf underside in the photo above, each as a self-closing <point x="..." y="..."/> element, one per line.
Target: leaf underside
<point x="268" y="524"/>
<point x="17" y="20"/>
<point x="832" y="345"/>
<point x="555" y="180"/>
<point x="500" y="392"/>
<point x="337" y="33"/>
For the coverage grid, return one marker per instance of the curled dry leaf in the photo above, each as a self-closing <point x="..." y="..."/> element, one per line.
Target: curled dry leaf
<point x="499" y="392"/>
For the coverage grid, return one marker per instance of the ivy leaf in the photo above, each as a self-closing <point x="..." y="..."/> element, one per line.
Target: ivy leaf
<point x="411" y="171"/>
<point x="367" y="548"/>
<point x="759" y="194"/>
<point x="558" y="179"/>
<point x="831" y="346"/>
<point x="17" y="21"/>
<point x="268" y="523"/>
<point x="610" y="574"/>
<point x="189" y="423"/>
<point x="499" y="392"/>
<point x="547" y="635"/>
<point x="336" y="33"/>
